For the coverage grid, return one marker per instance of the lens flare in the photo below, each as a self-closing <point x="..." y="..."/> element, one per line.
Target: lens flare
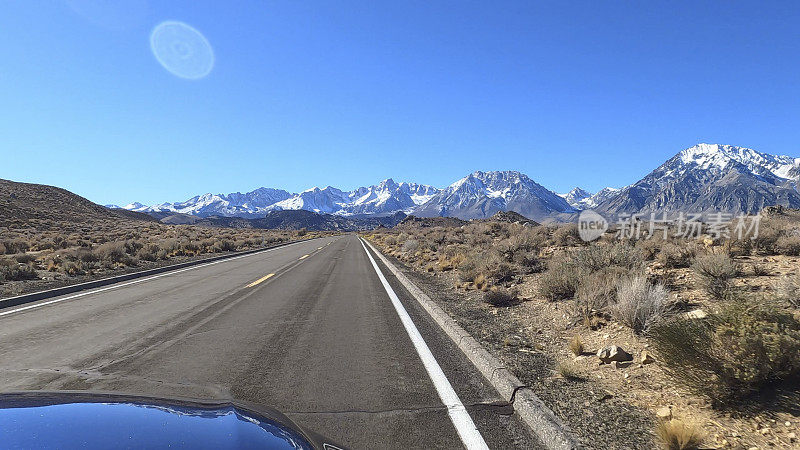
<point x="182" y="50"/>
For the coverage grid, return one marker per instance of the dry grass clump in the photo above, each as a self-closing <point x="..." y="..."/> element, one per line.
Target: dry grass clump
<point x="788" y="290"/>
<point x="677" y="434"/>
<point x="674" y="256"/>
<point x="716" y="270"/>
<point x="568" y="370"/>
<point x="759" y="270"/>
<point x="744" y="347"/>
<point x="561" y="280"/>
<point x="788" y="245"/>
<point x="640" y="304"/>
<point x="501" y="297"/>
<point x="576" y="345"/>
<point x="594" y="294"/>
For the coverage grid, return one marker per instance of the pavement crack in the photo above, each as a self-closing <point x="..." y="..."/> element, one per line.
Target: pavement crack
<point x="500" y="407"/>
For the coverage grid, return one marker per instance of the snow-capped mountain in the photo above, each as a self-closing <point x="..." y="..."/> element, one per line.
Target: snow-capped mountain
<point x="389" y="196"/>
<point x="576" y="197"/>
<point x="136" y="206"/>
<point x="600" y="196"/>
<point x="481" y="194"/>
<point x="250" y="204"/>
<point x="712" y="177"/>
<point x="582" y="199"/>
<point x="328" y="201"/>
<point x="385" y="198"/>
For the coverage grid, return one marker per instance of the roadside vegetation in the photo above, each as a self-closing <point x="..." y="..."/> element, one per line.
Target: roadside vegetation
<point x="44" y="252"/>
<point x="708" y="328"/>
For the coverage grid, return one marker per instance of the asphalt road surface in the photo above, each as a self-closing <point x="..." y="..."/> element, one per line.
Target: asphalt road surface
<point x="308" y="329"/>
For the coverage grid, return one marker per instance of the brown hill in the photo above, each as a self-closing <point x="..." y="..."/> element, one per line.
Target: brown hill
<point x="21" y="202"/>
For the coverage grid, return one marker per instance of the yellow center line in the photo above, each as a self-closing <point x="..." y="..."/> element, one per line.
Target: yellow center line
<point x="319" y="248"/>
<point x="264" y="278"/>
<point x="304" y="257"/>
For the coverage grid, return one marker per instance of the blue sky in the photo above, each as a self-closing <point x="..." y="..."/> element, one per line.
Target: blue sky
<point x="347" y="93"/>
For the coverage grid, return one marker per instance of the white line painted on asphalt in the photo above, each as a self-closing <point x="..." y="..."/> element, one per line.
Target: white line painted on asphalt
<point x="140" y="280"/>
<point x="467" y="431"/>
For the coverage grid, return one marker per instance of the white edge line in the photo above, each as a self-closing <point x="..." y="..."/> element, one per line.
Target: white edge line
<point x="467" y="431"/>
<point x="140" y="280"/>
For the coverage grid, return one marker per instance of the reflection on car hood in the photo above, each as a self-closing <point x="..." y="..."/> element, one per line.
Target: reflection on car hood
<point x="90" y="420"/>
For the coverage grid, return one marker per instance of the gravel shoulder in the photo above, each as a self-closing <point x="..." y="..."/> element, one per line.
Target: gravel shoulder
<point x="594" y="410"/>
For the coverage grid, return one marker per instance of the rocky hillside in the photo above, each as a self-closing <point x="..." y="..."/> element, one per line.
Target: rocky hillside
<point x="26" y="201"/>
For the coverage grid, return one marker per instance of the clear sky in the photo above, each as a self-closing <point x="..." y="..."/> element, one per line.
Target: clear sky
<point x="346" y="93"/>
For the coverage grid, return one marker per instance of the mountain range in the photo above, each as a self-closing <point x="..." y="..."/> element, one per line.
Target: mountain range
<point x="712" y="177"/>
<point x="705" y="177"/>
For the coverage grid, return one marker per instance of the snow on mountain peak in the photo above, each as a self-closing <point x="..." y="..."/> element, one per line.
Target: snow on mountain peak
<point x="718" y="157"/>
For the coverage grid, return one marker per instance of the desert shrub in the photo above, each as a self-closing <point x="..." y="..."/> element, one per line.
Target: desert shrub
<point x="10" y="270"/>
<point x="639" y="304"/>
<point x="24" y="258"/>
<point x="410" y="246"/>
<point x="676" y="434"/>
<point x="788" y="245"/>
<point x="788" y="290"/>
<point x="649" y="248"/>
<point x="148" y="253"/>
<point x="468" y="269"/>
<point x="72" y="268"/>
<point x="111" y="251"/>
<point x="85" y="255"/>
<point x="531" y="263"/>
<point x="390" y="241"/>
<point x="598" y="256"/>
<point x="674" y="256"/>
<point x="731" y="354"/>
<point x="224" y="245"/>
<point x="131" y="247"/>
<point x="716" y="270"/>
<point x="595" y="292"/>
<point x="768" y="234"/>
<point x="518" y="246"/>
<point x="566" y="235"/>
<point x="500" y="297"/>
<point x="561" y="280"/>
<point x="496" y="269"/>
<point x="12" y="246"/>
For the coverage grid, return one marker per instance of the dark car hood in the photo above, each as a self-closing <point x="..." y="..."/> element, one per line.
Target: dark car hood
<point x="113" y="420"/>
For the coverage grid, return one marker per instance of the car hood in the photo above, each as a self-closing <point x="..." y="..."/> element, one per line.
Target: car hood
<point x="114" y="420"/>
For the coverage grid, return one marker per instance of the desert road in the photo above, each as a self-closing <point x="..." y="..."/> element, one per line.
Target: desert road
<point x="308" y="329"/>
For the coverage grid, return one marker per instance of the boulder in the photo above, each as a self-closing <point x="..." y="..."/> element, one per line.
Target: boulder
<point x="647" y="358"/>
<point x="664" y="413"/>
<point x="613" y="353"/>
